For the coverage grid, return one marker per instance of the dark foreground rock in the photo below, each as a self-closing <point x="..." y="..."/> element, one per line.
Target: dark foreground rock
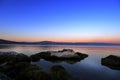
<point x="38" y="56"/>
<point x="75" y="57"/>
<point x="18" y="67"/>
<point x="58" y="72"/>
<point x="112" y="62"/>
<point x="4" y="77"/>
<point x="13" y="58"/>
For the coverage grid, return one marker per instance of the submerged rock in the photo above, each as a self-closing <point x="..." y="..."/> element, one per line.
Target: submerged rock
<point x="33" y="72"/>
<point x="58" y="73"/>
<point x="112" y="62"/>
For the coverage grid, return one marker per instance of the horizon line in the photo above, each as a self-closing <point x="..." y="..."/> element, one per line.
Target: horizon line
<point x="60" y="41"/>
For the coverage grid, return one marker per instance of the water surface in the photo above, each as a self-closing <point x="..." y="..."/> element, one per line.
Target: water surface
<point x="88" y="69"/>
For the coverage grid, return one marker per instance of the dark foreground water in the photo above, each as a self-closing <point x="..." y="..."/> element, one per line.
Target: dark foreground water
<point x="88" y="69"/>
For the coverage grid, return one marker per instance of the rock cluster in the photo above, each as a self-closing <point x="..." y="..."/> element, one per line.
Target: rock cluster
<point x="18" y="66"/>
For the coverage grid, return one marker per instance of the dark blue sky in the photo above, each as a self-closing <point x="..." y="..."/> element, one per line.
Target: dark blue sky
<point x="60" y="20"/>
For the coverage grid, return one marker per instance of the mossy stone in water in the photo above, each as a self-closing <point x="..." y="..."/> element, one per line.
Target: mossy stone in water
<point x="33" y="72"/>
<point x="35" y="57"/>
<point x="21" y="58"/>
<point x="58" y="73"/>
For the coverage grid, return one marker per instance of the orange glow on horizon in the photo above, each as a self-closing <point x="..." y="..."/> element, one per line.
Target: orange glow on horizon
<point x="65" y="39"/>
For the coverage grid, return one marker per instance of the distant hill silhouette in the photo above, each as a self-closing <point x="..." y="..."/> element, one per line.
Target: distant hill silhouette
<point x="2" y="41"/>
<point x="7" y="42"/>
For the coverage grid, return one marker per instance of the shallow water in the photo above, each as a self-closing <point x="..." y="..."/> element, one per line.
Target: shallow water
<point x="88" y="69"/>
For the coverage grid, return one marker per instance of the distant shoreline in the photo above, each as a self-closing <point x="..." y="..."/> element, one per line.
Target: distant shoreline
<point x="60" y="43"/>
<point x="64" y="45"/>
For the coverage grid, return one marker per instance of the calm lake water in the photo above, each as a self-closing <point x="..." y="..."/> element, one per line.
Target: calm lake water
<point x="88" y="69"/>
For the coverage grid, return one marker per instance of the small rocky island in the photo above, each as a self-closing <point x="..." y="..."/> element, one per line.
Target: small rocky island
<point x="17" y="66"/>
<point x="112" y="62"/>
<point x="66" y="55"/>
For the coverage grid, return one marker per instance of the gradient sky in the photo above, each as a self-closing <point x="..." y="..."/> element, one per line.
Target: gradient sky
<point x="60" y="20"/>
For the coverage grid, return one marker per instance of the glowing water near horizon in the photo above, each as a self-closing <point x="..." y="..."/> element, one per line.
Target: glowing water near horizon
<point x="88" y="69"/>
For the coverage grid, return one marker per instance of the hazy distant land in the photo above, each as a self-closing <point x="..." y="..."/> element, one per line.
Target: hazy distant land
<point x="2" y="41"/>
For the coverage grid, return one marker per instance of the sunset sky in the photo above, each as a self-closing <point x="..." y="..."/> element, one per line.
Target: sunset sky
<point x="60" y="20"/>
